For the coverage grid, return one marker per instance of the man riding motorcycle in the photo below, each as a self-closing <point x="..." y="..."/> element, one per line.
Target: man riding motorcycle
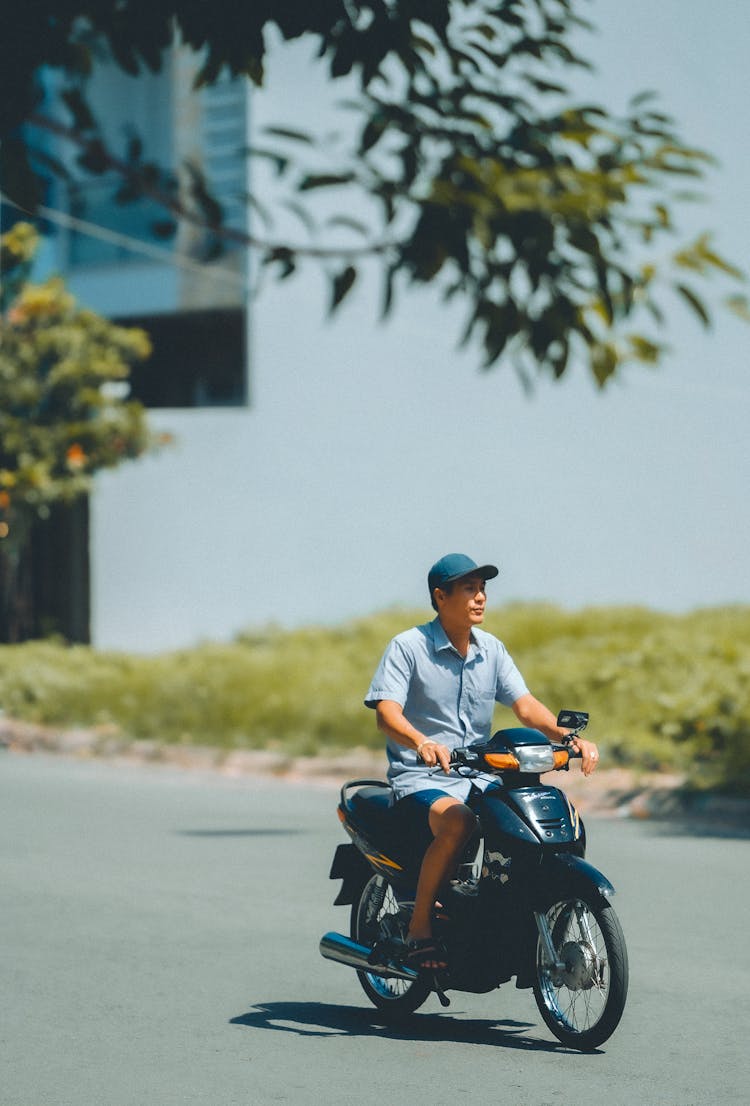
<point x="434" y="691"/>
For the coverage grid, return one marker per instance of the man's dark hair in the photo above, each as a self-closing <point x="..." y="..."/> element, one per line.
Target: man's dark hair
<point x="447" y="588"/>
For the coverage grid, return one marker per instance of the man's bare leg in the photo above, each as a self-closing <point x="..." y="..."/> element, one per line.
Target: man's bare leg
<point x="452" y="824"/>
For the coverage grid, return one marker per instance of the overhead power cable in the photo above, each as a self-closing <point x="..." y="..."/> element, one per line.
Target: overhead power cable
<point x="208" y="271"/>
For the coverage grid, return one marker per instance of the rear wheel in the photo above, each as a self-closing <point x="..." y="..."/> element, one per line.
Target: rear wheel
<point x="582" y="1000"/>
<point x="375" y="917"/>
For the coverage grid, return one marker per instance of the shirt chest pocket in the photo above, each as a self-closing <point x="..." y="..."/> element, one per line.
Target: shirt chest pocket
<point x="481" y="703"/>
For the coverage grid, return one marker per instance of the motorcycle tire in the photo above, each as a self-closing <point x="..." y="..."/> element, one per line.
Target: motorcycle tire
<point x="582" y="1003"/>
<point x="376" y="916"/>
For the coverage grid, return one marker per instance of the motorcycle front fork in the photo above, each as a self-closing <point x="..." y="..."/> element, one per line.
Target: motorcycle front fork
<point x="549" y="954"/>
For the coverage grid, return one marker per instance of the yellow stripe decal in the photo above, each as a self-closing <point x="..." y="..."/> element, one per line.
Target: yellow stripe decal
<point x="380" y="859"/>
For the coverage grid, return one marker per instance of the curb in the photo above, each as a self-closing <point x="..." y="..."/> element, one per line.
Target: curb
<point x="107" y="743"/>
<point x="615" y="792"/>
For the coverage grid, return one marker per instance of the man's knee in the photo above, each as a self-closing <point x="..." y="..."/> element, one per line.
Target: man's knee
<point x="454" y="822"/>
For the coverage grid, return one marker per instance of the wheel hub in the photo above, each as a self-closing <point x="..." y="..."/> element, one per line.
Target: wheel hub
<point x="581" y="970"/>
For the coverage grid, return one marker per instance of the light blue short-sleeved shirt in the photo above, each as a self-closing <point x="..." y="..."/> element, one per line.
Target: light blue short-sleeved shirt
<point x="444" y="695"/>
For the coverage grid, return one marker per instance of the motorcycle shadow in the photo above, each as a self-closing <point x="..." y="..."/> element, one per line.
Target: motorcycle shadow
<point x="319" y="1019"/>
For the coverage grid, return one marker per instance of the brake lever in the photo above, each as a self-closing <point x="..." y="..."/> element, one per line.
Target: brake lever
<point x="459" y="764"/>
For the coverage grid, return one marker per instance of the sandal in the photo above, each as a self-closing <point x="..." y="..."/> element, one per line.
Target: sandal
<point x="420" y="954"/>
<point x="426" y="954"/>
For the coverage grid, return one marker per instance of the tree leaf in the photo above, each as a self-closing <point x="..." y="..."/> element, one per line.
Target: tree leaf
<point x="94" y="158"/>
<point x="695" y="303"/>
<point x="280" y="162"/>
<point x="348" y="223"/>
<point x="164" y="228"/>
<point x="388" y="290"/>
<point x="324" y="180"/>
<point x="302" y="214"/>
<point x="604" y="362"/>
<point x="644" y="349"/>
<point x="292" y="135"/>
<point x="284" y="258"/>
<point x="712" y="258"/>
<point x="83" y="117"/>
<point x="341" y="286"/>
<point x="740" y="306"/>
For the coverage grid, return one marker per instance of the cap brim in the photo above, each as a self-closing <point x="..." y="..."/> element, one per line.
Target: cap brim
<point x="487" y="572"/>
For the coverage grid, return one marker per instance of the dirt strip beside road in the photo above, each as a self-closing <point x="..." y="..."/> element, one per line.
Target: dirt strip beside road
<point x="610" y="791"/>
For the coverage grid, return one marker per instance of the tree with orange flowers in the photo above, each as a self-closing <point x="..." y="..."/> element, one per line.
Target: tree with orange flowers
<point x="64" y="411"/>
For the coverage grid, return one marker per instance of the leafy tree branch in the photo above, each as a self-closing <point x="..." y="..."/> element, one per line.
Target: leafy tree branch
<point x="550" y="222"/>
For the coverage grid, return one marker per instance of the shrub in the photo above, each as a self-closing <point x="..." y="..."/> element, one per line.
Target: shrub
<point x="664" y="691"/>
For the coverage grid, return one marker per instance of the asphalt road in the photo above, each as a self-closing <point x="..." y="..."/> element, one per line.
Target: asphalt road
<point x="159" y="947"/>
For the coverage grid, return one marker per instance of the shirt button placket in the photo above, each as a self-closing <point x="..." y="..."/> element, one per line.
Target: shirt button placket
<point x="462" y="714"/>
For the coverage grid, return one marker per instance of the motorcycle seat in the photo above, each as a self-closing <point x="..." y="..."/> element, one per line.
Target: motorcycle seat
<point x="370" y="807"/>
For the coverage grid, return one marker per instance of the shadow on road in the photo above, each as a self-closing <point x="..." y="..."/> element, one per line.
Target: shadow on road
<point x="317" y="1019"/>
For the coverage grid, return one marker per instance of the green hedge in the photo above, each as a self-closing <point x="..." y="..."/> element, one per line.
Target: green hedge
<point x="663" y="691"/>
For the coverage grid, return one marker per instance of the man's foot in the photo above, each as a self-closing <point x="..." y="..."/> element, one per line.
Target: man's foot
<point x="425" y="954"/>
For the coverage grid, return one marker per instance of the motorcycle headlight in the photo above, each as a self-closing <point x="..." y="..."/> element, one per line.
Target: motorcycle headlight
<point x="535" y="758"/>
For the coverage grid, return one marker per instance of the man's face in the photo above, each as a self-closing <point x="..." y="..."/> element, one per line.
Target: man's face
<point x="464" y="604"/>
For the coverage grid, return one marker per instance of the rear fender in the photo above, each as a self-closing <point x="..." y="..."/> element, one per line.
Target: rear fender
<point x="350" y="866"/>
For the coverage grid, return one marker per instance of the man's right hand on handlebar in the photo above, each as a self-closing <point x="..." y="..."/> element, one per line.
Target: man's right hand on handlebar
<point x="434" y="755"/>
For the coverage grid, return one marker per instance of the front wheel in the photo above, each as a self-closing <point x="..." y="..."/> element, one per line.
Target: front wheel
<point x="581" y="997"/>
<point x="377" y="916"/>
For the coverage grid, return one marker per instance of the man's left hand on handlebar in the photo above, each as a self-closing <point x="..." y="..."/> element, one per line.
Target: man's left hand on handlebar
<point x="588" y="752"/>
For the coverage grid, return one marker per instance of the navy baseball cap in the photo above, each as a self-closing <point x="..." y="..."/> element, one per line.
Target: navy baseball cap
<point x="454" y="566"/>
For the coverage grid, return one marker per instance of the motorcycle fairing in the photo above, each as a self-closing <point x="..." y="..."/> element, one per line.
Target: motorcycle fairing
<point x="500" y="819"/>
<point x="549" y="813"/>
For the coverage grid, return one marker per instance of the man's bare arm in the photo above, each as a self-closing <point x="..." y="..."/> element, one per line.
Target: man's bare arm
<point x="392" y="723"/>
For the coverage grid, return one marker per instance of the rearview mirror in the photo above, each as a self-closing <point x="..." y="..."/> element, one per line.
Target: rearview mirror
<point x="573" y="719"/>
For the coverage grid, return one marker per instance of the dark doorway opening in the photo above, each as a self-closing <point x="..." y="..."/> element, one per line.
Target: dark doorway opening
<point x="60" y="574"/>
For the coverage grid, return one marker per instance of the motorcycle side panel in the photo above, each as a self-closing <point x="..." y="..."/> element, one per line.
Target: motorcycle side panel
<point x="351" y="867"/>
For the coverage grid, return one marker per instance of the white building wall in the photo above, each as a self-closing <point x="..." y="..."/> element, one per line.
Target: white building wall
<point x="368" y="452"/>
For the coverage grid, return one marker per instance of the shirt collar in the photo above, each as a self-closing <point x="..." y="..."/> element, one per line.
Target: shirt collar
<point x="441" y="640"/>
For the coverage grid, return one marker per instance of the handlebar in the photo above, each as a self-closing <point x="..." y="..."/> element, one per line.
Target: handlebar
<point x="464" y="758"/>
<point x="471" y="759"/>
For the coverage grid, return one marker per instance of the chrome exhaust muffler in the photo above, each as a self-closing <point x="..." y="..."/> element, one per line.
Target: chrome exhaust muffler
<point x="334" y="946"/>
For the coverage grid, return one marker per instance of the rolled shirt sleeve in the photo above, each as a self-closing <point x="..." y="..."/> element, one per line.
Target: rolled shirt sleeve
<point x="392" y="676"/>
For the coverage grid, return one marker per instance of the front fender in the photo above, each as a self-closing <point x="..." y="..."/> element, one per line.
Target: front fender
<point x="566" y="872"/>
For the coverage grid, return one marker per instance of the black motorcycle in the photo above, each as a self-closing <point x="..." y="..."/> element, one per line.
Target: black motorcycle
<point x="524" y="901"/>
